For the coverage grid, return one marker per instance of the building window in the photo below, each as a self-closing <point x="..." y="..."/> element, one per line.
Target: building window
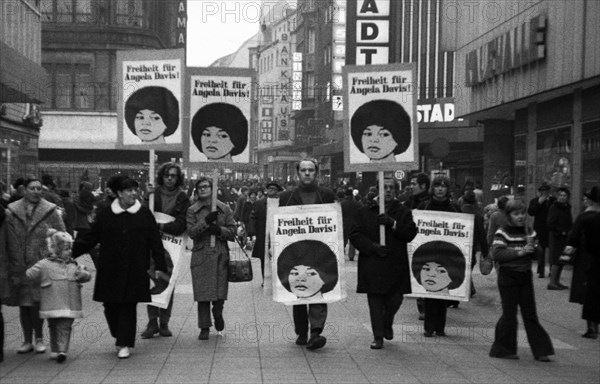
<point x="310" y="85"/>
<point x="311" y="40"/>
<point x="266" y="131"/>
<point x="67" y="11"/>
<point x="72" y="86"/>
<point x="129" y="12"/>
<point x="590" y="148"/>
<point x="553" y="157"/>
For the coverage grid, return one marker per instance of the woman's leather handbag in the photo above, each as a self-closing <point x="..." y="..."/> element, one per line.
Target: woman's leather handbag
<point x="239" y="269"/>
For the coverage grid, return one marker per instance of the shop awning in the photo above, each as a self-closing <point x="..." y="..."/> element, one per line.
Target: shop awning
<point x="21" y="79"/>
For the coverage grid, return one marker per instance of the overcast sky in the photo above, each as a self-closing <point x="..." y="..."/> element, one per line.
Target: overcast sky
<point x="219" y="27"/>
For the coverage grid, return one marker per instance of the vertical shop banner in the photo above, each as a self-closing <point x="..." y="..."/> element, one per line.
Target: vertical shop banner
<point x="150" y="104"/>
<point x="178" y="256"/>
<point x="380" y="125"/>
<point x="308" y="254"/>
<point x="440" y="255"/>
<point x="219" y="111"/>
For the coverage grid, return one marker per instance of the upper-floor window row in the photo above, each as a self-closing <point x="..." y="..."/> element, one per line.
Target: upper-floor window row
<point x="132" y="13"/>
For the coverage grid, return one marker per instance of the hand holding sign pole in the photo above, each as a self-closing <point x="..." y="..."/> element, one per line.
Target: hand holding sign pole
<point x="213" y="207"/>
<point x="381" y="207"/>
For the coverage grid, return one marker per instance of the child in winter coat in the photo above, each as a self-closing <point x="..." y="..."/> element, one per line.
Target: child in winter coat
<point x="60" y="279"/>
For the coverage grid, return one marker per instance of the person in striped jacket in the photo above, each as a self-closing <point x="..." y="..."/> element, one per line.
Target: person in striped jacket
<point x="513" y="251"/>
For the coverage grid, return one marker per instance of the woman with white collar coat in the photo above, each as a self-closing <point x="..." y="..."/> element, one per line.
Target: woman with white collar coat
<point x="128" y="237"/>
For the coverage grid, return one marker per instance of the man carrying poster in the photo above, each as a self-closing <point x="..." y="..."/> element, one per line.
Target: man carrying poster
<point x="308" y="192"/>
<point x="383" y="270"/>
<point x="169" y="199"/>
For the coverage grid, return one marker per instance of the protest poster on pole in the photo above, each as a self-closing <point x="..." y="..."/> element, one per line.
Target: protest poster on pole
<point x="380" y="125"/>
<point x="440" y="255"/>
<point x="308" y="254"/>
<point x="219" y="110"/>
<point x="149" y="106"/>
<point x="178" y="256"/>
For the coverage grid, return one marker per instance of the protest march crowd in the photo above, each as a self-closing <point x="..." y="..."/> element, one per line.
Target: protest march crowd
<point x="43" y="231"/>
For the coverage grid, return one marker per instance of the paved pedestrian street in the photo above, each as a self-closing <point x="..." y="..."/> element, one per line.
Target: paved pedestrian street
<point x="258" y="344"/>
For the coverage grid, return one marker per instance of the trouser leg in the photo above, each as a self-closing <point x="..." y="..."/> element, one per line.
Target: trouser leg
<point x="538" y="338"/>
<point x="122" y="322"/>
<point x="392" y="305"/>
<point x="164" y="315"/>
<point x="435" y="315"/>
<point x="505" y="336"/>
<point x="127" y="325"/>
<point x="204" y="320"/>
<point x="153" y="312"/>
<point x="217" y="311"/>
<point x="52" y="324"/>
<point x="300" y="316"/>
<point x="376" y="312"/>
<point x="317" y="315"/>
<point x="62" y="329"/>
<point x="38" y="323"/>
<point x="26" y="324"/>
<point x="111" y="316"/>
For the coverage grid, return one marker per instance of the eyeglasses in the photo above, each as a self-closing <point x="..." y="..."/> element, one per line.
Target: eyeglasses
<point x="171" y="175"/>
<point x="205" y="186"/>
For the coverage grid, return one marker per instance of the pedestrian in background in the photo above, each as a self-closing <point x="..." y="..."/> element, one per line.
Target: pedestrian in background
<point x="128" y="236"/>
<point x="513" y="251"/>
<point x="258" y="224"/>
<point x="584" y="241"/>
<point x="27" y="221"/>
<point x="209" y="264"/>
<point x="169" y="199"/>
<point x="349" y="208"/>
<point x="538" y="209"/>
<point x="383" y="270"/>
<point x="559" y="222"/>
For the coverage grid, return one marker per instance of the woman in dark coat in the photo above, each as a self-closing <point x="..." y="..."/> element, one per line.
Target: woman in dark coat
<point x="585" y="238"/>
<point x="560" y="222"/>
<point x="383" y="271"/>
<point x="128" y="237"/>
<point x="435" y="309"/>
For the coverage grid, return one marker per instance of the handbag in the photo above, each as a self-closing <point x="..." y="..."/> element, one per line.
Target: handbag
<point x="239" y="269"/>
<point x="486" y="264"/>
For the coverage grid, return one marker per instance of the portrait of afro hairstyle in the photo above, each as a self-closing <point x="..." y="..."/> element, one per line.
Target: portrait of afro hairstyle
<point x="384" y="113"/>
<point x="157" y="99"/>
<point x="226" y="117"/>
<point x="443" y="253"/>
<point x="164" y="170"/>
<point x="310" y="253"/>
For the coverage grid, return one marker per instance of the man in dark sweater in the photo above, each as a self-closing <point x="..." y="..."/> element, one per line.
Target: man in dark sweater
<point x="419" y="187"/>
<point x="308" y="192"/>
<point x="538" y="208"/>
